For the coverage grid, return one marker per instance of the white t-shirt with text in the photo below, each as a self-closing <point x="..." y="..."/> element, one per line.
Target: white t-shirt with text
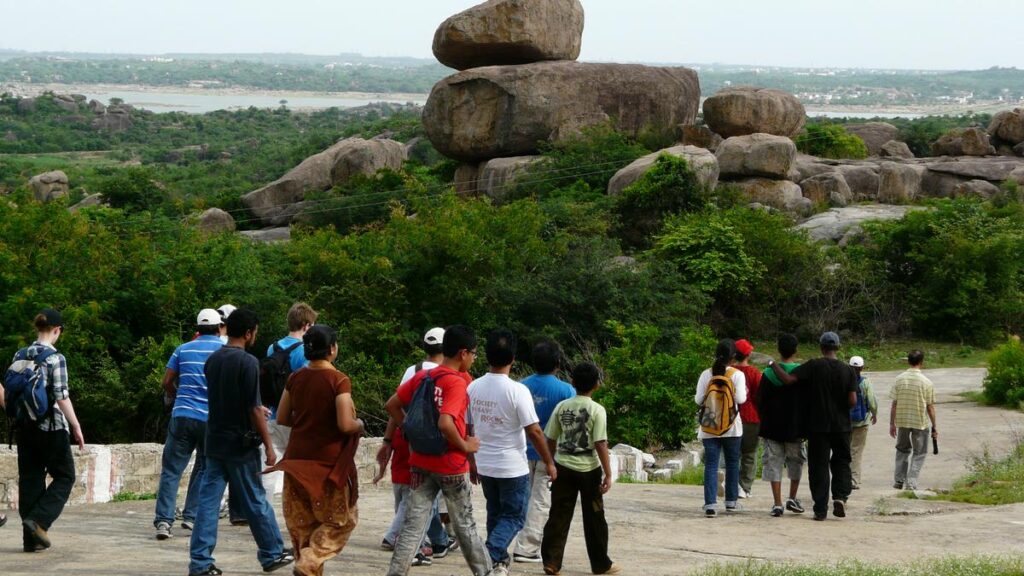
<point x="500" y="408"/>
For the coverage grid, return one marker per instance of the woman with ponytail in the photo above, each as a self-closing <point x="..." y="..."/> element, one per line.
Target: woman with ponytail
<point x="720" y="391"/>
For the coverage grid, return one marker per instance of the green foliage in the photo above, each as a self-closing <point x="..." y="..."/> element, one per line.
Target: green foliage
<point x="670" y="187"/>
<point x="827" y="140"/>
<point x="709" y="253"/>
<point x="133" y="496"/>
<point x="132" y="189"/>
<point x="990" y="481"/>
<point x="1004" y="383"/>
<point x="649" y="394"/>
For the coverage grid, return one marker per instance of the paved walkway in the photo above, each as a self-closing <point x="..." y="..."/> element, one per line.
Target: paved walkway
<point x="655" y="529"/>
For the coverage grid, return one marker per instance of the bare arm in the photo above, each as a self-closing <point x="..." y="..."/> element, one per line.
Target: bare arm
<point x="395" y="410"/>
<point x="385" y="450"/>
<point x="540" y="444"/>
<point x="258" y="417"/>
<point x="2" y="403"/>
<point x="348" y="423"/>
<point x="76" y="429"/>
<point x="446" y="424"/>
<point x="602" y="454"/>
<point x="782" y="375"/>
<point x="284" y="409"/>
<point x="892" y="419"/>
<point x="853" y="399"/>
<point x="170" y="383"/>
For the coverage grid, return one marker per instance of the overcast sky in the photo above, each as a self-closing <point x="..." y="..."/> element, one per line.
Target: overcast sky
<point x="935" y="34"/>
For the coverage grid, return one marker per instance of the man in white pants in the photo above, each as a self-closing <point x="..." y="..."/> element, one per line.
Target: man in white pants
<point x="547" y="391"/>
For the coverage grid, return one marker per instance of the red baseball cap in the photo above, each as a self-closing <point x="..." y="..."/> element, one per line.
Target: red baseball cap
<point x="744" y="347"/>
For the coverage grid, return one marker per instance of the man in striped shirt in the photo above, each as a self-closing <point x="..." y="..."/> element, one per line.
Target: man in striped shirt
<point x="185" y="382"/>
<point x="913" y="407"/>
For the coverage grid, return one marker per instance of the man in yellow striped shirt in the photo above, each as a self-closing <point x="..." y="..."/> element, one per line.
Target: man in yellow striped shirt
<point x="913" y="406"/>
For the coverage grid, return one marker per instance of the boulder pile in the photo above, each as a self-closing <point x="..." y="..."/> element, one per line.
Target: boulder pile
<point x="520" y="86"/>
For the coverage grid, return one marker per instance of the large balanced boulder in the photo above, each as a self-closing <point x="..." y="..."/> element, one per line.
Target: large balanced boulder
<point x="49" y="185"/>
<point x="215" y="221"/>
<point x="702" y="162"/>
<point x="899" y="183"/>
<point x="874" y="134"/>
<point x="502" y="32"/>
<point x="895" y="149"/>
<point x="781" y="194"/>
<point x="1008" y="126"/>
<point x="762" y="155"/>
<point x="500" y="111"/>
<point x="963" y="142"/>
<point x="747" y="110"/>
<point x="277" y="203"/>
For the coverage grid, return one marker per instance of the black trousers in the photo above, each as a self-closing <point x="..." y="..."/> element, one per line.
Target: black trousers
<point x="564" y="490"/>
<point x="829" y="453"/>
<point x="40" y="454"/>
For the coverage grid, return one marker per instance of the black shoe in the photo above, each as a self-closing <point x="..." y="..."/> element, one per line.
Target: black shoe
<point x="777" y="511"/>
<point x="794" y="506"/>
<point x="34" y="547"/>
<point x="820" y="517"/>
<point x="239" y="522"/>
<point x="36" y="532"/>
<point x="211" y="571"/>
<point x="452" y="545"/>
<point x="839" y="509"/>
<point x="281" y="561"/>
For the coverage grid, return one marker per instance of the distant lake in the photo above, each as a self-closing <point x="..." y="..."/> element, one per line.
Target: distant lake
<point x="863" y="114"/>
<point x="208" y="101"/>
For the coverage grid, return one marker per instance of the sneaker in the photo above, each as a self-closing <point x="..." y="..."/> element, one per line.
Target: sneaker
<point x="281" y="561"/>
<point x="839" y="509"/>
<point x="178" y="515"/>
<point x="211" y="571"/>
<point x="743" y="493"/>
<point x="188" y="524"/>
<point x="37" y="533"/>
<point x="500" y="569"/>
<point x="778" y="511"/>
<point x="898" y="485"/>
<point x="613" y="569"/>
<point x="450" y="547"/>
<point x="526" y="559"/>
<point x="710" y="513"/>
<point x="733" y="507"/>
<point x="794" y="506"/>
<point x="223" y="512"/>
<point x="421" y="559"/>
<point x="387" y="546"/>
<point x="163" y="531"/>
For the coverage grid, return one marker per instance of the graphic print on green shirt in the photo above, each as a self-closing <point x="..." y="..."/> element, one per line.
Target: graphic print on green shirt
<point x="576" y="425"/>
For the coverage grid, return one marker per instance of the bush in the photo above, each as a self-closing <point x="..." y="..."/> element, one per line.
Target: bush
<point x="1004" y="384"/>
<point x="670" y="187"/>
<point x="648" y="394"/>
<point x="828" y="140"/>
<point x="709" y="252"/>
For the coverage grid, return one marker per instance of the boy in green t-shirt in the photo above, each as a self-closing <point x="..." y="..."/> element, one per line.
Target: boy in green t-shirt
<point x="577" y="435"/>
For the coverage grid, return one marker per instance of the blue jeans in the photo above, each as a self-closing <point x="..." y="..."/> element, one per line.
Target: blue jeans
<point x="713" y="448"/>
<point x="436" y="534"/>
<point x="245" y="480"/>
<point x="184" y="436"/>
<point x="507" y="501"/>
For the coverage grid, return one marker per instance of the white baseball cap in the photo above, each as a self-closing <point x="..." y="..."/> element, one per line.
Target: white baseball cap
<point x="857" y="362"/>
<point x="208" y="317"/>
<point x="225" y="310"/>
<point x="434" y="336"/>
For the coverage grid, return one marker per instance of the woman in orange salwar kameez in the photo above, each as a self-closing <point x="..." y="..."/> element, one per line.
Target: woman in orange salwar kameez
<point x="320" y="484"/>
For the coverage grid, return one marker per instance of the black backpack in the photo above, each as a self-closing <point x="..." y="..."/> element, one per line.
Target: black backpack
<point x="274" y="372"/>
<point x="421" y="416"/>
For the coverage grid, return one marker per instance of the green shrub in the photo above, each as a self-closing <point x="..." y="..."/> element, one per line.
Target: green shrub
<point x="709" y="252"/>
<point x="1004" y="383"/>
<point x="648" y="394"/>
<point x="670" y="187"/>
<point x="828" y="140"/>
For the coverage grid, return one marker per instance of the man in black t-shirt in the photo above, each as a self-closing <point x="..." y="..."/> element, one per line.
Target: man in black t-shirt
<point x="827" y="389"/>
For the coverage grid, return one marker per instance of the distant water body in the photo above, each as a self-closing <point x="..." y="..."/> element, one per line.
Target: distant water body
<point x="206" y="101"/>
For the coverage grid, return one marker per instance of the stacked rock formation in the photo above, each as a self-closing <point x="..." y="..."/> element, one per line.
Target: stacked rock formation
<point x="520" y="85"/>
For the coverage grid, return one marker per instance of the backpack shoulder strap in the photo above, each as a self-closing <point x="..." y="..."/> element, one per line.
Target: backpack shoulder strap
<point x="40" y="358"/>
<point x="291" y="348"/>
<point x="277" y="348"/>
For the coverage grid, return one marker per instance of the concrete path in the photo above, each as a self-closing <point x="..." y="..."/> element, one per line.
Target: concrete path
<point x="655" y="529"/>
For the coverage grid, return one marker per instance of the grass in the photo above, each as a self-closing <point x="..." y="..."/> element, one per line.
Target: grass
<point x="990" y="481"/>
<point x="892" y="354"/>
<point x="133" y="496"/>
<point x="947" y="566"/>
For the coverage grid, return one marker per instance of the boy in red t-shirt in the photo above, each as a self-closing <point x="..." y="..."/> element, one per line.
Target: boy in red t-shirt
<point x="447" y="473"/>
<point x="751" y="419"/>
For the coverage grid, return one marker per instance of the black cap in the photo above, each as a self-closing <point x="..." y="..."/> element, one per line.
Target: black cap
<point x="53" y="318"/>
<point x="830" y="339"/>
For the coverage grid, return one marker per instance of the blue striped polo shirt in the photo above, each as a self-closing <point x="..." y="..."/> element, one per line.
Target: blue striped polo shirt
<point x="188" y="361"/>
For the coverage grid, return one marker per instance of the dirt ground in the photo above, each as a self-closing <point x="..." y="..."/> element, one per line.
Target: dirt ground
<point x="655" y="529"/>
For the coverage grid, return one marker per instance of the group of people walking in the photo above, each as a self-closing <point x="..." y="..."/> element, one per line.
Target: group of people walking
<point x="288" y="424"/>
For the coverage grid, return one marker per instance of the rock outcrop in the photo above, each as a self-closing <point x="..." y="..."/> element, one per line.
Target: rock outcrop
<point x="840" y="223"/>
<point x="830" y="188"/>
<point x="498" y="111"/>
<point x="215" y="221"/>
<point x="276" y="203"/>
<point x="701" y="136"/>
<point x="895" y="149"/>
<point x="702" y="162"/>
<point x="762" y="155"/>
<point x="49" y="185"/>
<point x="90" y="201"/>
<point x="963" y="142"/>
<point x="978" y="188"/>
<point x="899" y="183"/>
<point x="1008" y="126"/>
<point x="268" y="235"/>
<point x="747" y="110"/>
<point x="874" y="134"/>
<point x="506" y="32"/>
<point x="780" y="194"/>
<point x="495" y="178"/>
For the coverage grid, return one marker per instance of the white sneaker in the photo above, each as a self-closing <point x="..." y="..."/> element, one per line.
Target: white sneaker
<point x="743" y="493"/>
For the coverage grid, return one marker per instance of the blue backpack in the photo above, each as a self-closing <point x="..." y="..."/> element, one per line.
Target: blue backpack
<point x="859" y="412"/>
<point x="28" y="395"/>
<point x="421" y="416"/>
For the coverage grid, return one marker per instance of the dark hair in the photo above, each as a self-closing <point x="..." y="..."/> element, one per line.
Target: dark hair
<point x="208" y="330"/>
<point x="787" y="345"/>
<point x="585" y="377"/>
<point x="241" y="321"/>
<point x="740" y="357"/>
<point x="433" y="349"/>
<point x="724" y="353"/>
<point x="916" y="357"/>
<point x="458" y="337"/>
<point x="501" y="347"/>
<point x="547" y="357"/>
<point x="317" y="342"/>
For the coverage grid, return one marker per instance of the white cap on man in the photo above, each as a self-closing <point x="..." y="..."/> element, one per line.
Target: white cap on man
<point x="857" y="362"/>
<point x="434" y="336"/>
<point x="208" y="317"/>
<point x="225" y="310"/>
